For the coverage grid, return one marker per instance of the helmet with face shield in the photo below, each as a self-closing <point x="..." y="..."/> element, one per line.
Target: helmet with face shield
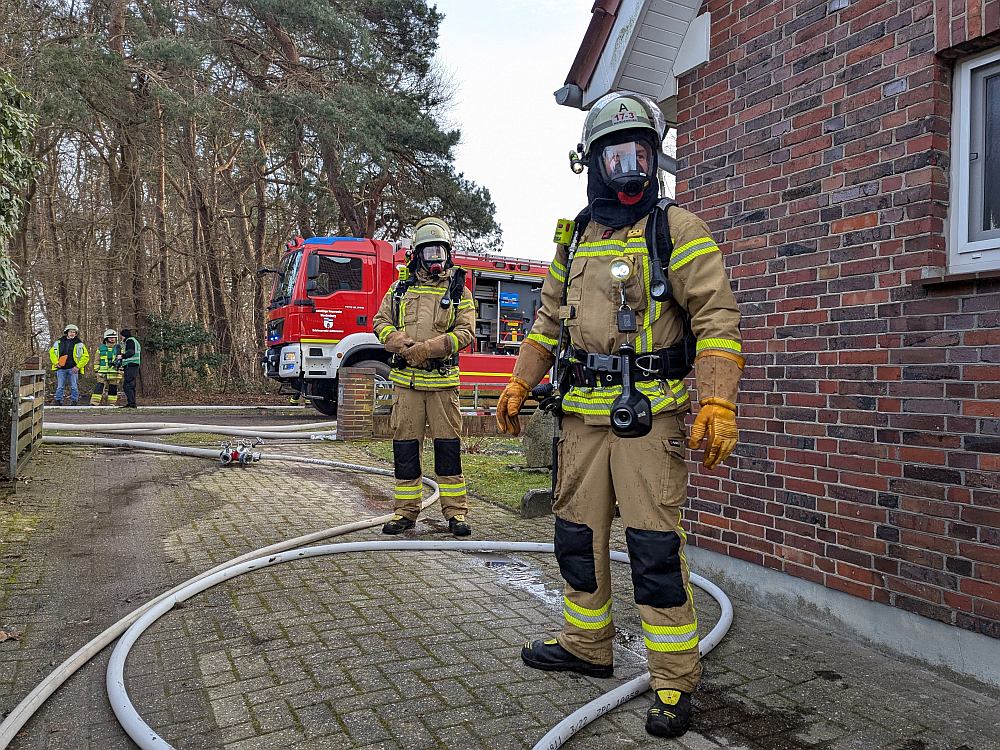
<point x="621" y="137"/>
<point x="431" y="246"/>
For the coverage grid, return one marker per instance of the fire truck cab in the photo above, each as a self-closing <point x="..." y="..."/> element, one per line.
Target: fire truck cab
<point x="328" y="289"/>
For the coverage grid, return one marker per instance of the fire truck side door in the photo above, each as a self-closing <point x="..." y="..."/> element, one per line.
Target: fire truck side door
<point x="344" y="286"/>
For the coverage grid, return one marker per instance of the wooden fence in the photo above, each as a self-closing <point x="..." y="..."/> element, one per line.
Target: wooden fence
<point x="26" y="417"/>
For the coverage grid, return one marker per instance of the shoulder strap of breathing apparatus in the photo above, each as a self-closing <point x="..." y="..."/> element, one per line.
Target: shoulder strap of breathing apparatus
<point x="397" y="297"/>
<point x="456" y="287"/>
<point x="661" y="248"/>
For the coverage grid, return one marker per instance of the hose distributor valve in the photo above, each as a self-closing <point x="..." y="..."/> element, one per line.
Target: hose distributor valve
<point x="245" y="451"/>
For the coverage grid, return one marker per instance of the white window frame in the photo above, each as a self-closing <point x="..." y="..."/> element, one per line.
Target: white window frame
<point x="965" y="256"/>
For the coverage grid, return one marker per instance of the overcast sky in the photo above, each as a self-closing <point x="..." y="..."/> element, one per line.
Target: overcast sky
<point x="505" y="60"/>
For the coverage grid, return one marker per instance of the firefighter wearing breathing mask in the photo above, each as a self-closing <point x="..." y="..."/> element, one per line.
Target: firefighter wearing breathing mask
<point x="636" y="295"/>
<point x="425" y="319"/>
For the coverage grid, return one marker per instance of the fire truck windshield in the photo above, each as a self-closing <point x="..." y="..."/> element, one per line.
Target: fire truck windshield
<point x="285" y="284"/>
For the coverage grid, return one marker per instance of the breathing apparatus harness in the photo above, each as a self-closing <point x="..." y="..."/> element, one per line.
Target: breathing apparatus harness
<point x="631" y="412"/>
<point x="456" y="287"/>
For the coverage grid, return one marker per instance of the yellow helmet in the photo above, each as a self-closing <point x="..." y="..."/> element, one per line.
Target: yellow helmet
<point x="431" y="229"/>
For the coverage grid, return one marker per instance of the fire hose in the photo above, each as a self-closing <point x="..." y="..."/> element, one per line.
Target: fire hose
<point x="137" y="622"/>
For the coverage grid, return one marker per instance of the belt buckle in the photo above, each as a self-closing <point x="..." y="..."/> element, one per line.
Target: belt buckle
<point x="608" y="363"/>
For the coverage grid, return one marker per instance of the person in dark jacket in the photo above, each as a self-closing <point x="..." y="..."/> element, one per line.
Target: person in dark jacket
<point x="131" y="356"/>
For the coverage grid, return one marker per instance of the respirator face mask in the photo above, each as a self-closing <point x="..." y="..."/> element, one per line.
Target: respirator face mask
<point x="626" y="167"/>
<point x="433" y="258"/>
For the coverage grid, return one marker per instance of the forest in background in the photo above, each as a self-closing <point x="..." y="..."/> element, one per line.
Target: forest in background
<point x="180" y="144"/>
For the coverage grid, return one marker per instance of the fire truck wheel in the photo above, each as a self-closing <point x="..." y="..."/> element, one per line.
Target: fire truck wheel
<point x="326" y="406"/>
<point x="381" y="369"/>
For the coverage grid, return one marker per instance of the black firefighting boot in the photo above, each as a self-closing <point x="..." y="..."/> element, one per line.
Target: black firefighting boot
<point x="398" y="524"/>
<point x="670" y="714"/>
<point x="458" y="526"/>
<point x="551" y="657"/>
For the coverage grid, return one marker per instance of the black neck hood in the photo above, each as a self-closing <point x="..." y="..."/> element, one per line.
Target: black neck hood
<point x="603" y="203"/>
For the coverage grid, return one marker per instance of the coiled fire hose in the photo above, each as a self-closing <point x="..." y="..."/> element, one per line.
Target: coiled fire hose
<point x="137" y="622"/>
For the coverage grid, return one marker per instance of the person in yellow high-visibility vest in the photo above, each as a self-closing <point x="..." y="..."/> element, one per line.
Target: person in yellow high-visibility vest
<point x="69" y="357"/>
<point x="109" y="376"/>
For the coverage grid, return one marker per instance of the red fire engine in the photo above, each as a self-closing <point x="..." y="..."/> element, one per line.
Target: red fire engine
<point x="328" y="289"/>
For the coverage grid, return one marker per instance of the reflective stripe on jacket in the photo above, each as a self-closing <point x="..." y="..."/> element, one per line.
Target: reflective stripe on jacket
<point x="422" y="317"/>
<point x="80" y="355"/>
<point x="106" y="358"/>
<point x="699" y="283"/>
<point x="135" y="356"/>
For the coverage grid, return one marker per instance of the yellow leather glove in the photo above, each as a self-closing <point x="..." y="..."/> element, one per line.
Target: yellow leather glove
<point x="397" y="342"/>
<point x="509" y="406"/>
<point x="717" y="421"/>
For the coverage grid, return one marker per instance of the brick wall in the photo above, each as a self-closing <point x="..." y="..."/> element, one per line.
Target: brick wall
<point x="815" y="143"/>
<point x="356" y="403"/>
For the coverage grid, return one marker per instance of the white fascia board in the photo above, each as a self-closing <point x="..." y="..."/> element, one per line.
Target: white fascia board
<point x="613" y="57"/>
<point x="616" y="58"/>
<point x="694" y="52"/>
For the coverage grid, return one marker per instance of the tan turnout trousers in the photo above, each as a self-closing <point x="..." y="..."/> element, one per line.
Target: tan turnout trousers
<point x="648" y="478"/>
<point x="412" y="412"/>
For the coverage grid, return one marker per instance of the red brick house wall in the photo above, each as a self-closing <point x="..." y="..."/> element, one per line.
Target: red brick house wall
<point x="816" y="144"/>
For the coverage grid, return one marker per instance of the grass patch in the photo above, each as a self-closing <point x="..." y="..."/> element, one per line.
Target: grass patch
<point x="486" y="463"/>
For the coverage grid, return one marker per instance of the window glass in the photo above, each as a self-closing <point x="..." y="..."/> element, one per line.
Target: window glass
<point x="285" y="282"/>
<point x="991" y="166"/>
<point x="338" y="274"/>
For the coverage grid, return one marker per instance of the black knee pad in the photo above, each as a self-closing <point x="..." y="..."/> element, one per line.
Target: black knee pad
<point x="406" y="458"/>
<point x="99" y="389"/>
<point x="112" y="389"/>
<point x="447" y="457"/>
<point x="575" y="552"/>
<point x="656" y="567"/>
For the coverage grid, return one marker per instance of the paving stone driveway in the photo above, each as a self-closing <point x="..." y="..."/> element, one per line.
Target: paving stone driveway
<point x="385" y="650"/>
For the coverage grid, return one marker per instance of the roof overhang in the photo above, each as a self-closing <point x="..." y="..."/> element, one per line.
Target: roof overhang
<point x="637" y="45"/>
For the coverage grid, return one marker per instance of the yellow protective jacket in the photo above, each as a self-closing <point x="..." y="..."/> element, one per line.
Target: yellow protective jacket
<point x="80" y="355"/>
<point x="422" y="317"/>
<point x="700" y="285"/>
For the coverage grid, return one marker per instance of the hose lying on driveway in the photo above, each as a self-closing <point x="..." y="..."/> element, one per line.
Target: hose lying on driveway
<point x="306" y="431"/>
<point x="135" y="623"/>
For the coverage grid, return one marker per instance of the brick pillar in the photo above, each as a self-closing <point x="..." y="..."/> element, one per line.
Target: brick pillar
<point x="356" y="403"/>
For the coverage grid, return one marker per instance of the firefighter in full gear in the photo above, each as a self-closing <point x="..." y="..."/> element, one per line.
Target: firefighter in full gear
<point x="108" y="373"/>
<point x="425" y="319"/>
<point x="637" y="293"/>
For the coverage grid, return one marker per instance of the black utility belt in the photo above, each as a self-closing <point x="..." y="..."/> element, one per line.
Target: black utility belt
<point x="590" y="370"/>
